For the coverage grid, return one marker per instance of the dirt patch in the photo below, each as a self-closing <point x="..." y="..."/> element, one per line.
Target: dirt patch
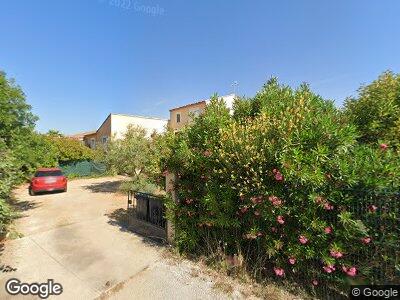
<point x="239" y="287"/>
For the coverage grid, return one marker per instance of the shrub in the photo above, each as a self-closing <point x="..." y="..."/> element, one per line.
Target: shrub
<point x="285" y="183"/>
<point x="67" y="149"/>
<point x="137" y="156"/>
<point x="16" y="127"/>
<point x="376" y="111"/>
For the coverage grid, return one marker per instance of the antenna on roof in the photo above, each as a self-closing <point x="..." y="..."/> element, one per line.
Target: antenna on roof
<point x="234" y="85"/>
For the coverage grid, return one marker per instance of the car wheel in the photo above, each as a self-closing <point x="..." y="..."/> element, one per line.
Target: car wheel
<point x="32" y="193"/>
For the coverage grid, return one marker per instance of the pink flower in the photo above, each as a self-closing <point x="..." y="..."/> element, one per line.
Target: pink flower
<point x="292" y="260"/>
<point x="366" y="240"/>
<point x="328" y="206"/>
<point x="279" y="272"/>
<point x="329" y="268"/>
<point x="257" y="213"/>
<point x="188" y="201"/>
<point x="243" y="209"/>
<point x="207" y="153"/>
<point x="319" y="200"/>
<point x="336" y="254"/>
<point x="302" y="239"/>
<point x="352" y="271"/>
<point x="372" y="208"/>
<point x="383" y="146"/>
<point x="328" y="230"/>
<point x="315" y="282"/>
<point x="278" y="175"/>
<point x="273" y="229"/>
<point x="280" y="220"/>
<point x="256" y="199"/>
<point x="275" y="200"/>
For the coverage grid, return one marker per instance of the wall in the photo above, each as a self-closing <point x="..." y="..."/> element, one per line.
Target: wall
<point x="228" y="99"/>
<point x="185" y="114"/>
<point x="120" y="124"/>
<point x="104" y="130"/>
<point x="185" y="111"/>
<point x="87" y="138"/>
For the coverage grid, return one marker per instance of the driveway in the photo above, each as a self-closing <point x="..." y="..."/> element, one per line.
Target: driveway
<point x="75" y="239"/>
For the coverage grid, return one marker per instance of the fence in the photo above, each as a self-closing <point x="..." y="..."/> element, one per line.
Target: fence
<point x="379" y="213"/>
<point x="83" y="168"/>
<point x="148" y="208"/>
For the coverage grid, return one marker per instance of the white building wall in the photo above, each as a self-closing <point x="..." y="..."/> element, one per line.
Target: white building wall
<point x="228" y="99"/>
<point x="120" y="123"/>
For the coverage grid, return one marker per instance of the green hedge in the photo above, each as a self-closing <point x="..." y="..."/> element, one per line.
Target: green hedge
<point x="286" y="185"/>
<point x="82" y="168"/>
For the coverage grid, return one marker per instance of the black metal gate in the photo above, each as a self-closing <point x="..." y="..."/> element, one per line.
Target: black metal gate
<point x="148" y="208"/>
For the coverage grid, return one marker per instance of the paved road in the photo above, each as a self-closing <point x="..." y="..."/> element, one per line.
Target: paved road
<point x="75" y="238"/>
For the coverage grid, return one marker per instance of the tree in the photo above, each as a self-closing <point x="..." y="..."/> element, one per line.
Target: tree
<point x="68" y="149"/>
<point x="16" y="128"/>
<point x="136" y="155"/>
<point x="376" y="110"/>
<point x="54" y="132"/>
<point x="16" y="118"/>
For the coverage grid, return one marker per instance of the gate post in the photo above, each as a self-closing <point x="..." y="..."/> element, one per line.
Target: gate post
<point x="170" y="180"/>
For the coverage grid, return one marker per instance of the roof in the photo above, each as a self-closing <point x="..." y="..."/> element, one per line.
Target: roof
<point x="48" y="169"/>
<point x="132" y="116"/>
<point x="188" y="105"/>
<point x="138" y="116"/>
<point x="80" y="135"/>
<point x="200" y="102"/>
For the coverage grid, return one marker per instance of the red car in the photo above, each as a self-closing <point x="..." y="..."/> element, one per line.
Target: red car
<point x="47" y="180"/>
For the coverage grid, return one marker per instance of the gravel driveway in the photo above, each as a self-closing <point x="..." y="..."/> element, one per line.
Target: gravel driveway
<point x="74" y="239"/>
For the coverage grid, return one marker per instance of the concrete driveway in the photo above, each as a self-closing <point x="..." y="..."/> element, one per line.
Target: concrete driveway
<point x="75" y="238"/>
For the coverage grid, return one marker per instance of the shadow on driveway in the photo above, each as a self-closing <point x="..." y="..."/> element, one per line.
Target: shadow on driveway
<point x="127" y="222"/>
<point x="104" y="187"/>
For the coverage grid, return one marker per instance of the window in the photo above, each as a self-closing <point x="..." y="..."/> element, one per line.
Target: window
<point x="104" y="139"/>
<point x="48" y="173"/>
<point x="178" y="118"/>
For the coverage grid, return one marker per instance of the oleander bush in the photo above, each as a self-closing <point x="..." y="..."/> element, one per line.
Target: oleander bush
<point x="376" y="110"/>
<point x="284" y="185"/>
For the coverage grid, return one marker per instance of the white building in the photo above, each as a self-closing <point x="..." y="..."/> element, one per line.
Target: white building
<point x="116" y="125"/>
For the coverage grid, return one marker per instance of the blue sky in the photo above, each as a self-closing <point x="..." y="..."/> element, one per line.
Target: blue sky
<point x="77" y="60"/>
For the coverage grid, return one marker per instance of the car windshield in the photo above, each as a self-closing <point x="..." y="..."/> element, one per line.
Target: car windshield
<point x="48" y="173"/>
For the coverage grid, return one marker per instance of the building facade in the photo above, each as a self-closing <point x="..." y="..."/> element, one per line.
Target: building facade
<point x="183" y="115"/>
<point x="116" y="125"/>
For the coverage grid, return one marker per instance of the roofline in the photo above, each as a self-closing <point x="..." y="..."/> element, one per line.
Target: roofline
<point x="109" y="116"/>
<point x="135" y="116"/>
<point x="88" y="134"/>
<point x="139" y="116"/>
<point x="201" y="101"/>
<point x="82" y="133"/>
<point x="188" y="105"/>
